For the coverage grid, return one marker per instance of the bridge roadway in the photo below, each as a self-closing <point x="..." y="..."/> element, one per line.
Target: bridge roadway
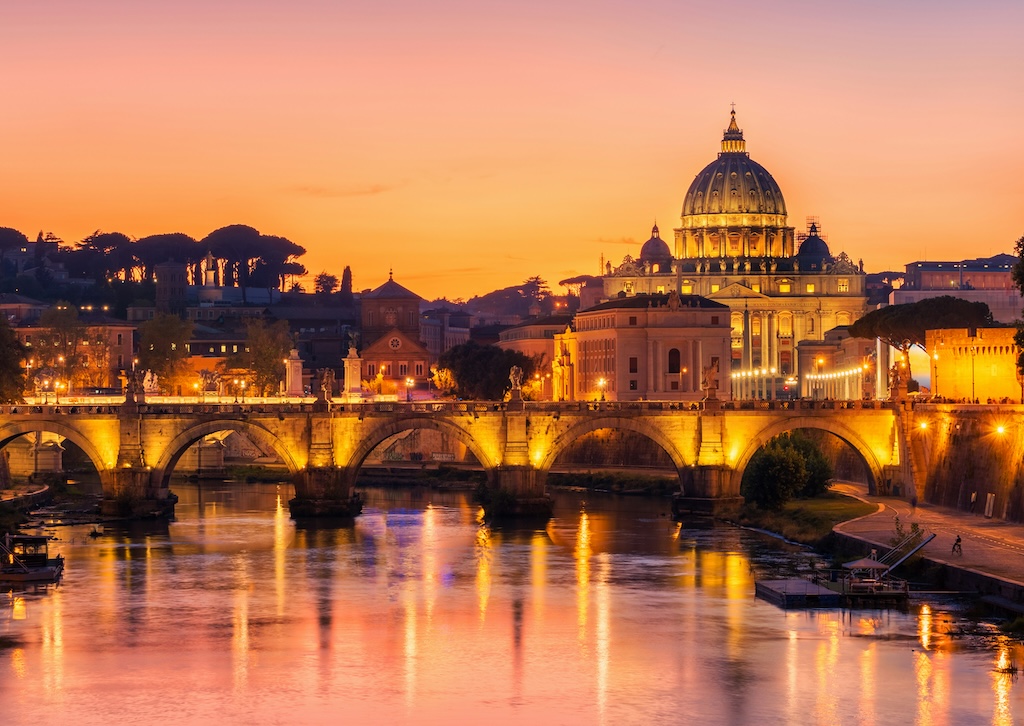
<point x="135" y="446"/>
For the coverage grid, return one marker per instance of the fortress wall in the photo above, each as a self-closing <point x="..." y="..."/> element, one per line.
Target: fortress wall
<point x="963" y="452"/>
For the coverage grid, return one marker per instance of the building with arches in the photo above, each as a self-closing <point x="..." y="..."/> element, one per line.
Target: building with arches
<point x="734" y="245"/>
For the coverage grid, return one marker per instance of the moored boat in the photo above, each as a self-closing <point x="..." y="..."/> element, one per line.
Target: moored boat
<point x="26" y="558"/>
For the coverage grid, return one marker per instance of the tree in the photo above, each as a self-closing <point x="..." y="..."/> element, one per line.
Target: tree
<point x="1017" y="271"/>
<point x="775" y="473"/>
<point x="904" y="326"/>
<point x="163" y="349"/>
<point x="266" y="347"/>
<point x="12" y="375"/>
<point x="790" y="465"/>
<point x="480" y="371"/>
<point x="346" y="286"/>
<point x="325" y="284"/>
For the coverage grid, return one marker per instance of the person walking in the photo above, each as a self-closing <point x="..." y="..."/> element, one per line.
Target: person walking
<point x="957" y="549"/>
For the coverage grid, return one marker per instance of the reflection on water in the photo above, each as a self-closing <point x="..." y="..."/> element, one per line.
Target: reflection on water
<point x="417" y="613"/>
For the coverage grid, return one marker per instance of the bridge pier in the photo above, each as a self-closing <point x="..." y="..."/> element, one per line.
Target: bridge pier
<point x="325" y="491"/>
<point x="707" y="489"/>
<point x="129" y="492"/>
<point x="516" y="492"/>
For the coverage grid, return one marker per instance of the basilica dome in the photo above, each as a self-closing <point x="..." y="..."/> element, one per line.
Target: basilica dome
<point x="733" y="190"/>
<point x="656" y="250"/>
<point x="814" y="252"/>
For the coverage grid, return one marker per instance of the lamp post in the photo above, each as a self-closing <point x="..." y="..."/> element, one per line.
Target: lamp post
<point x="819" y="385"/>
<point x="408" y="389"/>
<point x="236" y="390"/>
<point x="935" y="376"/>
<point x="195" y="388"/>
<point x="243" y="390"/>
<point x="601" y="383"/>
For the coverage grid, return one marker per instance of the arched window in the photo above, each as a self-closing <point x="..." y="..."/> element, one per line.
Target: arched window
<point x="673" y="361"/>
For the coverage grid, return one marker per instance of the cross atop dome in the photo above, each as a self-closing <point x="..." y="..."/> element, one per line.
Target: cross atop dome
<point x="732" y="139"/>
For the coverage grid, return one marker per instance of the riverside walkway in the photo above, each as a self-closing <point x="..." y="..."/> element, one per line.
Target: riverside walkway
<point x="992" y="548"/>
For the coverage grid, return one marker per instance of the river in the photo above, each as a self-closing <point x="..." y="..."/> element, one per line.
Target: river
<point x="418" y="614"/>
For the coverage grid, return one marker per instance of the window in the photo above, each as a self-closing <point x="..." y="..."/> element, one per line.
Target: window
<point x="120" y="339"/>
<point x="715" y="288"/>
<point x="371" y="370"/>
<point x="714" y="320"/>
<point x="674" y="385"/>
<point x="632" y="384"/>
<point x="633" y="364"/>
<point x="661" y="289"/>
<point x="403" y="369"/>
<point x="755" y="286"/>
<point x="687" y="289"/>
<point x="419" y="369"/>
<point x="784" y="287"/>
<point x="632" y="319"/>
<point x="673" y="361"/>
<point x="810" y="287"/>
<point x="843" y="285"/>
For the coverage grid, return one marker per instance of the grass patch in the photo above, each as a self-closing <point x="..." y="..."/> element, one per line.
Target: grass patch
<point x="807" y="521"/>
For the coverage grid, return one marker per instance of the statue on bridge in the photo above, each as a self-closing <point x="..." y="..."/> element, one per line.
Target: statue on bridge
<point x="515" y="375"/>
<point x="709" y="380"/>
<point x="326" y="384"/>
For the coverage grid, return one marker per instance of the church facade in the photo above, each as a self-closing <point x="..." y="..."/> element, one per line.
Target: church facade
<point x="734" y="245"/>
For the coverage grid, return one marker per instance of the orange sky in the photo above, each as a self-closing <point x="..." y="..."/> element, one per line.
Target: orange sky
<point x="472" y="144"/>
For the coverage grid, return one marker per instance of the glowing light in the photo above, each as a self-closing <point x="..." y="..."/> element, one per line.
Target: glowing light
<point x="1000" y="429"/>
<point x="924" y="424"/>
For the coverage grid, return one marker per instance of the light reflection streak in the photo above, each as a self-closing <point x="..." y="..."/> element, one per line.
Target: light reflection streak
<point x="603" y="645"/>
<point x="868" y="684"/>
<point x="538" y="572"/>
<point x="280" y="553"/>
<point x="430" y="565"/>
<point x="18" y="663"/>
<point x="825" y="659"/>
<point x="240" y="624"/>
<point x="582" y="555"/>
<point x="18" y="608"/>
<point x="923" y="672"/>
<point x="924" y="627"/>
<point x="1002" y="714"/>
<point x="410" y="645"/>
<point x="793" y="680"/>
<point x="483" y="569"/>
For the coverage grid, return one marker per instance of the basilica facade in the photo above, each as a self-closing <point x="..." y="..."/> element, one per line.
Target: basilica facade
<point x="734" y="245"/>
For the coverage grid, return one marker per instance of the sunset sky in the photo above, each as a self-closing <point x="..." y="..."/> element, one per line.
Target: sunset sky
<point x="472" y="144"/>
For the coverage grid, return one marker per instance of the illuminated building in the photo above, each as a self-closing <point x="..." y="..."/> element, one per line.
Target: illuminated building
<point x="986" y="279"/>
<point x="978" y="364"/>
<point x="642" y="347"/>
<point x="734" y="246"/>
<point x="391" y="347"/>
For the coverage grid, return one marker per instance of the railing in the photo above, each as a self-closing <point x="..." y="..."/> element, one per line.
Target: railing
<point x="281" y="406"/>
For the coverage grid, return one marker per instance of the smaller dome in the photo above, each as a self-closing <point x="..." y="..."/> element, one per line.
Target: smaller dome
<point x="655" y="250"/>
<point x="813" y="250"/>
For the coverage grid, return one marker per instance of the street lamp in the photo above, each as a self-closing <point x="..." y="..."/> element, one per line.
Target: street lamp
<point x="243" y="390"/>
<point x="935" y="378"/>
<point x="236" y="390"/>
<point x="408" y="389"/>
<point x="195" y="388"/>
<point x="601" y="382"/>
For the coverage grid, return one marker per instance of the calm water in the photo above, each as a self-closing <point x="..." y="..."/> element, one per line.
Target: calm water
<point x="613" y="614"/>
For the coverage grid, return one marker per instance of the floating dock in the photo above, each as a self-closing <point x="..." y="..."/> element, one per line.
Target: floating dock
<point x="797" y="593"/>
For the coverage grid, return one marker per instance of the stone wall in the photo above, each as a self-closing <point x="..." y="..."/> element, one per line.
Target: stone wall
<point x="969" y="451"/>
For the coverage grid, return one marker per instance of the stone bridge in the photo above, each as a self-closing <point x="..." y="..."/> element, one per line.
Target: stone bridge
<point x="135" y="446"/>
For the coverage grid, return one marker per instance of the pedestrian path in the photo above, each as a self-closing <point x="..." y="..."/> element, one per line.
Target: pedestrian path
<point x="990" y="546"/>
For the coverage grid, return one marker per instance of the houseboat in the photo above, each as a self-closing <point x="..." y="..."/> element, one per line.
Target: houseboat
<point x="26" y="558"/>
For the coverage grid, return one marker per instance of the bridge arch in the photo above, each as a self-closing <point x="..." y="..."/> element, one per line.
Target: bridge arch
<point x="846" y="434"/>
<point x="102" y="461"/>
<point x="620" y="423"/>
<point x="374" y="438"/>
<point x="168" y="459"/>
